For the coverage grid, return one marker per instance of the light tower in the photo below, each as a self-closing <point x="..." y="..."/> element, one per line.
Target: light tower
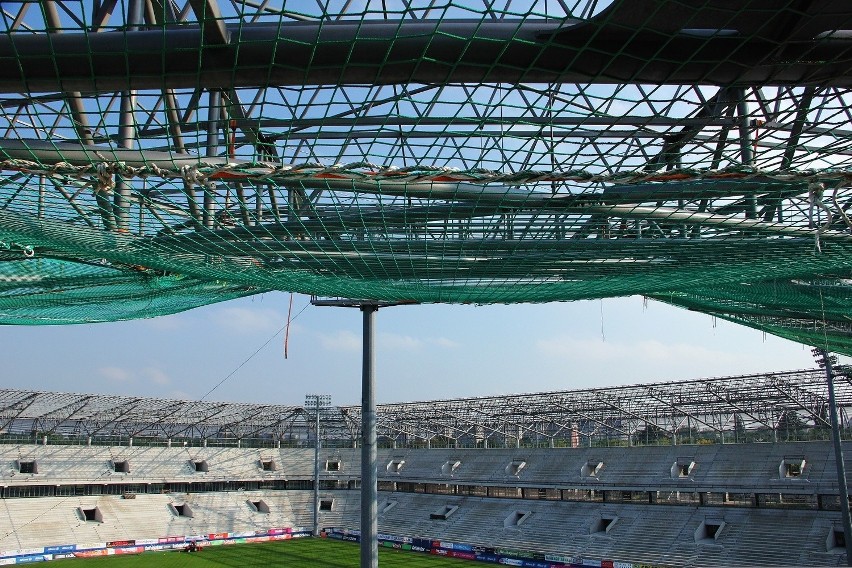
<point x="827" y="362"/>
<point x="319" y="404"/>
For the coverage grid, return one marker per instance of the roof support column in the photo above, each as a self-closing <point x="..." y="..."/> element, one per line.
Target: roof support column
<point x="825" y="360"/>
<point x="74" y="101"/>
<point x="127" y="138"/>
<point x="126" y="129"/>
<point x="746" y="153"/>
<point x="213" y="115"/>
<point x="369" y="475"/>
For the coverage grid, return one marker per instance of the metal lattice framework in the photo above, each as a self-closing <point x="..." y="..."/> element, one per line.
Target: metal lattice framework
<point x="715" y="407"/>
<point x="160" y="155"/>
<point x="123" y="417"/>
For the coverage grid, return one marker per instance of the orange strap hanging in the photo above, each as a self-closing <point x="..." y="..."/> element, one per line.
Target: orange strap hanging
<point x="287" y="331"/>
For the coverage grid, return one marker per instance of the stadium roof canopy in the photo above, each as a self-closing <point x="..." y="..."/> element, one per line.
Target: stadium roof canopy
<point x="161" y="155"/>
<point x="717" y="405"/>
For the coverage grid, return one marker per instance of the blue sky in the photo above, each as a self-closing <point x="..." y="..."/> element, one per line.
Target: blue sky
<point x="423" y="352"/>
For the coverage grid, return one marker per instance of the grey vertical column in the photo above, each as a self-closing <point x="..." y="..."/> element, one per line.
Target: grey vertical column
<point x="316" y="466"/>
<point x="746" y="153"/>
<point x="838" y="454"/>
<point x="214" y="114"/>
<point x="126" y="130"/>
<point x="369" y="490"/>
<point x="127" y="139"/>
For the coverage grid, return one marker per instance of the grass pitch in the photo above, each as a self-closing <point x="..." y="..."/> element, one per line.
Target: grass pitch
<point x="296" y="553"/>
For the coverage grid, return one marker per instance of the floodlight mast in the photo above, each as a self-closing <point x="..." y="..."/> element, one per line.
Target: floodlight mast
<point x="369" y="457"/>
<point x="320" y="403"/>
<point x="827" y="361"/>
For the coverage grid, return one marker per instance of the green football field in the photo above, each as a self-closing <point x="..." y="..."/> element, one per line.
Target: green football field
<point x="297" y="553"/>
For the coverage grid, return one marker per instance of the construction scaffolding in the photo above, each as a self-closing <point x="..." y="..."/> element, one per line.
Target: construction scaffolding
<point x="766" y="407"/>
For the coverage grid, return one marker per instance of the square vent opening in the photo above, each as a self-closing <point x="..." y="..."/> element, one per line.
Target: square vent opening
<point x="181" y="510"/>
<point x="836" y="541"/>
<point x="27" y="466"/>
<point x="792" y="468"/>
<point x="395" y="465"/>
<point x="443" y="513"/>
<point x="602" y="525"/>
<point x="333" y="465"/>
<point x="260" y="506"/>
<point x="709" y="531"/>
<point x="592" y="468"/>
<point x="450" y="466"/>
<point x="122" y="466"/>
<point x="682" y="468"/>
<point x="326" y="504"/>
<point x="268" y="465"/>
<point x="515" y="466"/>
<point x="90" y="514"/>
<point x="515" y="519"/>
<point x="200" y="466"/>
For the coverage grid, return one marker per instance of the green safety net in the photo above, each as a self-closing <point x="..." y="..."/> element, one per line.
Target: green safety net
<point x="158" y="156"/>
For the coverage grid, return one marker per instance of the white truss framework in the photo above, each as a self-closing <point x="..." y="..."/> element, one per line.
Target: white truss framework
<point x="719" y="408"/>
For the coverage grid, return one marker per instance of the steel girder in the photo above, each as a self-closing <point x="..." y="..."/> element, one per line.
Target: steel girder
<point x="764" y="48"/>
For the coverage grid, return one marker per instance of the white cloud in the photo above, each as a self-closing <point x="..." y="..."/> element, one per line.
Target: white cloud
<point x="444" y="342"/>
<point x="148" y="375"/>
<point x="349" y="341"/>
<point x="340" y="341"/>
<point x="407" y="342"/>
<point x="155" y="376"/>
<point x="638" y="352"/>
<point x="116" y="374"/>
<point x="398" y="342"/>
<point x="246" y="321"/>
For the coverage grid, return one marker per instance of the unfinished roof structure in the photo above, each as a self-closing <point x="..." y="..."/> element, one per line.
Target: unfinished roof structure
<point x="161" y="155"/>
<point x="720" y="409"/>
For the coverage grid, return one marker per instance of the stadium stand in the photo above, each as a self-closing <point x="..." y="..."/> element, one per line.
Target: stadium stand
<point x="625" y="492"/>
<point x="623" y="512"/>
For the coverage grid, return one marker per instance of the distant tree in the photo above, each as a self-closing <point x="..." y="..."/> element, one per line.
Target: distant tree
<point x="650" y="434"/>
<point x="739" y="428"/>
<point x="823" y="422"/>
<point x="790" y="425"/>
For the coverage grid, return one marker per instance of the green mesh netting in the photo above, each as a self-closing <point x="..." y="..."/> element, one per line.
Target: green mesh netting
<point x="158" y="156"/>
<point x="48" y="291"/>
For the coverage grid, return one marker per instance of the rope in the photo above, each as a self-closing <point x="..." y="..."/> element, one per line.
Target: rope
<point x="815" y="193"/>
<point x="202" y="172"/>
<point x="105" y="179"/>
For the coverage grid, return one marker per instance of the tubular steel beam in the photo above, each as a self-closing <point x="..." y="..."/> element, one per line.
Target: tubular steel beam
<point x="710" y="111"/>
<point x="213" y="118"/>
<point x="127" y="134"/>
<point x="369" y="459"/>
<point x="431" y="51"/>
<point x="127" y="130"/>
<point x="213" y="27"/>
<point x="466" y="126"/>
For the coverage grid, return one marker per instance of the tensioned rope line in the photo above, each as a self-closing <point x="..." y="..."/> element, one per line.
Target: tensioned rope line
<point x="100" y="175"/>
<point x="250" y="357"/>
